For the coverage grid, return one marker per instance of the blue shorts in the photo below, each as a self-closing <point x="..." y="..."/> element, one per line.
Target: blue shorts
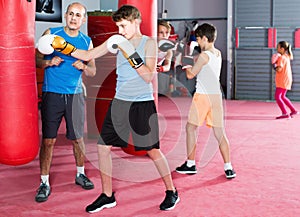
<point x="56" y="106"/>
<point x="136" y="118"/>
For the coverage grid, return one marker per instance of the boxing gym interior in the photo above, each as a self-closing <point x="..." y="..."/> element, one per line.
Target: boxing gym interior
<point x="265" y="151"/>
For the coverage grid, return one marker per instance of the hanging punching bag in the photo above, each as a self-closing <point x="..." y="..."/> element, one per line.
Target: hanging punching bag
<point x="19" y="135"/>
<point x="148" y="11"/>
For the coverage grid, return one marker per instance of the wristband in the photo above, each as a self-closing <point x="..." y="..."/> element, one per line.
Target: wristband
<point x="135" y="60"/>
<point x="160" y="69"/>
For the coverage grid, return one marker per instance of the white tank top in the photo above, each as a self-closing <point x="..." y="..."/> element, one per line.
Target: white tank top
<point x="208" y="79"/>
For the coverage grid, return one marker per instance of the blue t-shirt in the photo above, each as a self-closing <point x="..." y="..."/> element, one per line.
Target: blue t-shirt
<point x="65" y="79"/>
<point x="130" y="85"/>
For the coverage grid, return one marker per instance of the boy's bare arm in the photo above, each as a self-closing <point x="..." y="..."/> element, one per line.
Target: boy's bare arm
<point x="148" y="70"/>
<point x="87" y="55"/>
<point x="201" y="61"/>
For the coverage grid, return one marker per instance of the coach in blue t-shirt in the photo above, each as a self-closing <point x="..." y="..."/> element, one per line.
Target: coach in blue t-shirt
<point x="63" y="97"/>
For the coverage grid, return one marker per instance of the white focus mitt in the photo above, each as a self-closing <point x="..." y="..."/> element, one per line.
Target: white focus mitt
<point x="113" y="41"/>
<point x="44" y="44"/>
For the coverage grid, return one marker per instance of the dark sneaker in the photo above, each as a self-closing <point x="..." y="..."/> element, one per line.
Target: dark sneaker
<point x="170" y="200"/>
<point x="284" y="116"/>
<point x="230" y="174"/>
<point x="43" y="193"/>
<point x="102" y="202"/>
<point x="294" y="113"/>
<point x="184" y="169"/>
<point x="84" y="182"/>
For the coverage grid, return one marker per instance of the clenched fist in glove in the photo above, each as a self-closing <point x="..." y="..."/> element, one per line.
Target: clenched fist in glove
<point x="187" y="62"/>
<point x="48" y="43"/>
<point x="118" y="42"/>
<point x="274" y="59"/>
<point x="194" y="49"/>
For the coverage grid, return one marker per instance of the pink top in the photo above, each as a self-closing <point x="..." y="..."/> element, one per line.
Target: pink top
<point x="283" y="78"/>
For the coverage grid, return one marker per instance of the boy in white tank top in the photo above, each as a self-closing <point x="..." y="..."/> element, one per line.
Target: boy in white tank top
<point x="207" y="101"/>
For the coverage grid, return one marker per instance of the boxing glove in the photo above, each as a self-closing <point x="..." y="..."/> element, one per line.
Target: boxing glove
<point x="127" y="49"/>
<point x="187" y="62"/>
<point x="196" y="51"/>
<point x="61" y="45"/>
<point x="165" y="45"/>
<point x="274" y="59"/>
<point x="57" y="43"/>
<point x="194" y="48"/>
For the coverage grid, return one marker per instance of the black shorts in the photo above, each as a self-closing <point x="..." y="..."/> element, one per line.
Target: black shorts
<point x="55" y="107"/>
<point x="136" y="118"/>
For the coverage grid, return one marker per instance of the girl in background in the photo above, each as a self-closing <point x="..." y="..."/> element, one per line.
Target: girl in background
<point x="283" y="79"/>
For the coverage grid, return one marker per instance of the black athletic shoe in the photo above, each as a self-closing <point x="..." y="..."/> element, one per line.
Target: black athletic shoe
<point x="230" y="174"/>
<point x="102" y="202"/>
<point x="170" y="200"/>
<point x="84" y="182"/>
<point x="43" y="193"/>
<point x="184" y="169"/>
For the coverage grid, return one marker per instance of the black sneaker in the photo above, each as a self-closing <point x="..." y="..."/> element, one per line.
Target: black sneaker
<point x="170" y="200"/>
<point x="184" y="169"/>
<point x="230" y="174"/>
<point x="84" y="182"/>
<point x="102" y="202"/>
<point x="43" y="193"/>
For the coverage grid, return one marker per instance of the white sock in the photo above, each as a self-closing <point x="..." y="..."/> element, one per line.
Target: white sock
<point x="227" y="166"/>
<point x="191" y="163"/>
<point x="80" y="170"/>
<point x="45" y="179"/>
